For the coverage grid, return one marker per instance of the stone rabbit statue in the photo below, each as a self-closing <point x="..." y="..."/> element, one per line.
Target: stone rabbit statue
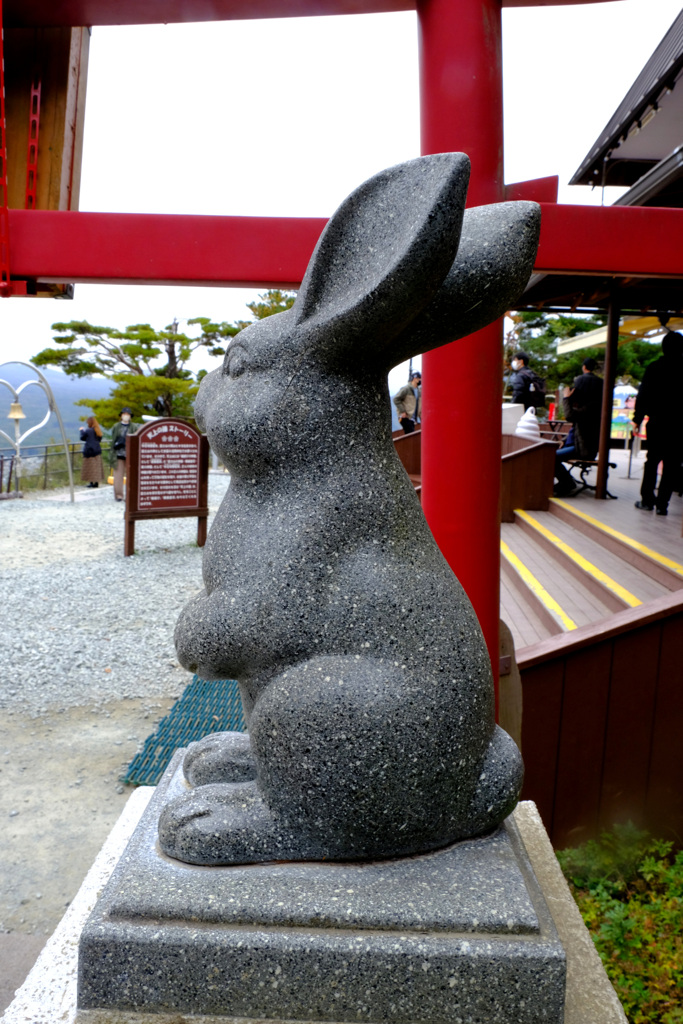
<point x="365" y="680"/>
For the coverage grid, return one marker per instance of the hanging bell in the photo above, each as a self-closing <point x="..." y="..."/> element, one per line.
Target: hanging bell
<point x="16" y="412"/>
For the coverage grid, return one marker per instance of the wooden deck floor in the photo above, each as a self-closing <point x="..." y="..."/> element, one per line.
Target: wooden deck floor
<point x="662" y="533"/>
<point x="581" y="602"/>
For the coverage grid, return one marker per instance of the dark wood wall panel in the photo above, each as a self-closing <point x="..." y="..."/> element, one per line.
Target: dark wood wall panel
<point x="628" y="741"/>
<point x="541" y="717"/>
<point x="409" y="450"/>
<point x="582" y="744"/>
<point x="664" y="806"/>
<point x="602" y="730"/>
<point x="527" y="473"/>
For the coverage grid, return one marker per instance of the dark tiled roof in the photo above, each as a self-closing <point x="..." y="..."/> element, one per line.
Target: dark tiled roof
<point x="661" y="72"/>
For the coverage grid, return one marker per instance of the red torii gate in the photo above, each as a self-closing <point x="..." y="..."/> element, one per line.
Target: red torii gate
<point x="461" y="109"/>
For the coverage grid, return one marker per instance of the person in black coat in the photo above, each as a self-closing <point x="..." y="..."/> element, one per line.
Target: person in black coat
<point x="91" y="466"/>
<point x="522" y="381"/>
<point x="659" y="399"/>
<point x="583" y="409"/>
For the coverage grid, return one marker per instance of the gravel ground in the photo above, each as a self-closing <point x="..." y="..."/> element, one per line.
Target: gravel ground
<point x="82" y="624"/>
<point x="88" y="669"/>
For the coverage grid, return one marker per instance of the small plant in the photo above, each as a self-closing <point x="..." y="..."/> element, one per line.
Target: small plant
<point x="629" y="888"/>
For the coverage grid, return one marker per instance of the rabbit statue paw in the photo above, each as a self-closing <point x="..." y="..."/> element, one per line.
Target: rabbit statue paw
<point x="365" y="680"/>
<point x="219" y="757"/>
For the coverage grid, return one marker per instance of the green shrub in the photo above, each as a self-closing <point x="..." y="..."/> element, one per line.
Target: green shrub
<point x="629" y="888"/>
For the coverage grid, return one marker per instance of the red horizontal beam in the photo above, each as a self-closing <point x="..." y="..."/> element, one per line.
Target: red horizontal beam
<point x="624" y="241"/>
<point x="151" y="12"/>
<point x="159" y="248"/>
<point x="264" y="251"/>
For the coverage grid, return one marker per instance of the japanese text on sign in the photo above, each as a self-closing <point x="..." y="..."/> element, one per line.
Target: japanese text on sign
<point x="168" y="472"/>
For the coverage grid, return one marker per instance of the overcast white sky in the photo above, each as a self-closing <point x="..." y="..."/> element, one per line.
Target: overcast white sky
<point x="286" y="117"/>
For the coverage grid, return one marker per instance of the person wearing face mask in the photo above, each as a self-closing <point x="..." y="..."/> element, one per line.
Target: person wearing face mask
<point x="524" y="382"/>
<point x="408" y="402"/>
<point x="117" y="451"/>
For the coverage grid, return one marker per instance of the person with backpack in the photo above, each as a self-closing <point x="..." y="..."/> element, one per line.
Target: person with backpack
<point x="528" y="389"/>
<point x="583" y="409"/>
<point x="117" y="451"/>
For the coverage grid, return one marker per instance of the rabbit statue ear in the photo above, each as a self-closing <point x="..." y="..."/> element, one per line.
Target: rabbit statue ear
<point x="495" y="259"/>
<point x="383" y="255"/>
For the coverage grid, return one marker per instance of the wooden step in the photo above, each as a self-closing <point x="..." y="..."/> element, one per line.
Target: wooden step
<point x="565" y="568"/>
<point x="581" y="605"/>
<point x="607" y="589"/>
<point x="522" y="583"/>
<point x="617" y="566"/>
<point x="665" y="571"/>
<point x="520" y="612"/>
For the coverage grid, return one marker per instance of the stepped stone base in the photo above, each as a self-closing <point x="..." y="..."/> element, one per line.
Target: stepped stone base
<point x="462" y="934"/>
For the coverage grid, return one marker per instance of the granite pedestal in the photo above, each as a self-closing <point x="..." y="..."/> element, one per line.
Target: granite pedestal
<point x="462" y="934"/>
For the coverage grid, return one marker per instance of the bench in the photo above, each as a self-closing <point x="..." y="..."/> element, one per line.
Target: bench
<point x="584" y="466"/>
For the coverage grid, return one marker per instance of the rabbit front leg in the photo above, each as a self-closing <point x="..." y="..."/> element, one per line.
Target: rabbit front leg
<point x="222" y="636"/>
<point x="219" y="757"/>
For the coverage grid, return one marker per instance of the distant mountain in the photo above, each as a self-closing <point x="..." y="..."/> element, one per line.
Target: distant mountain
<point x="66" y="390"/>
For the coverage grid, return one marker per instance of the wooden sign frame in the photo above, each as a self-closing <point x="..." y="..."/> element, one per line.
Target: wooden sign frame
<point x="168" y="427"/>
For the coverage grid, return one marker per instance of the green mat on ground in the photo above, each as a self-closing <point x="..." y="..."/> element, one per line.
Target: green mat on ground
<point x="204" y="707"/>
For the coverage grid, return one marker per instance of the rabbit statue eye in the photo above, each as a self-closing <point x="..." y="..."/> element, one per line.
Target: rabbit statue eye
<point x="236" y="361"/>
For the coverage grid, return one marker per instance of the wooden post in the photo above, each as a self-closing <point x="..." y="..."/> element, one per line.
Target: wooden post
<point x="131" y="493"/>
<point x="608" y="395"/>
<point x="202" y="521"/>
<point x="129" y="537"/>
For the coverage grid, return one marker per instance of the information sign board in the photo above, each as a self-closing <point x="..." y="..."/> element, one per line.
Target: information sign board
<point x="167" y="471"/>
<point x="168" y="466"/>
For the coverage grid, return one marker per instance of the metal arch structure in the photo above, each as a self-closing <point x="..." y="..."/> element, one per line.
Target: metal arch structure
<point x="52" y="407"/>
<point x="461" y="99"/>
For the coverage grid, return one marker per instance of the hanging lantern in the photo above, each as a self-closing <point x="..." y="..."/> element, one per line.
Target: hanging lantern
<point x="16" y="412"/>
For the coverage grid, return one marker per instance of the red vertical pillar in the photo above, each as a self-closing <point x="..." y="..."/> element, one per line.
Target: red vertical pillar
<point x="462" y="109"/>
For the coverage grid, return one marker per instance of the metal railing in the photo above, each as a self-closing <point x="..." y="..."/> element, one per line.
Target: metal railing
<point x="43" y="466"/>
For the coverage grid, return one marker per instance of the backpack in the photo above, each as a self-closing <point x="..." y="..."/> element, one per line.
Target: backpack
<point x="535" y="388"/>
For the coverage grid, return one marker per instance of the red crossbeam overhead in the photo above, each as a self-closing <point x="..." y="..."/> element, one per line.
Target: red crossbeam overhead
<point x="154" y="12"/>
<point x="260" y="251"/>
<point x="264" y="251"/>
<point x="148" y="248"/>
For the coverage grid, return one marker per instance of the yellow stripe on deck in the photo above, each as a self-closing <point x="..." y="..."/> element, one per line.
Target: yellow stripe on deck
<point x="624" y="538"/>
<point x="537" y="587"/>
<point x="616" y="588"/>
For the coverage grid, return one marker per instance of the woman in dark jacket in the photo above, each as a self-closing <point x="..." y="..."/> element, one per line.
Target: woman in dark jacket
<point x="91" y="466"/>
